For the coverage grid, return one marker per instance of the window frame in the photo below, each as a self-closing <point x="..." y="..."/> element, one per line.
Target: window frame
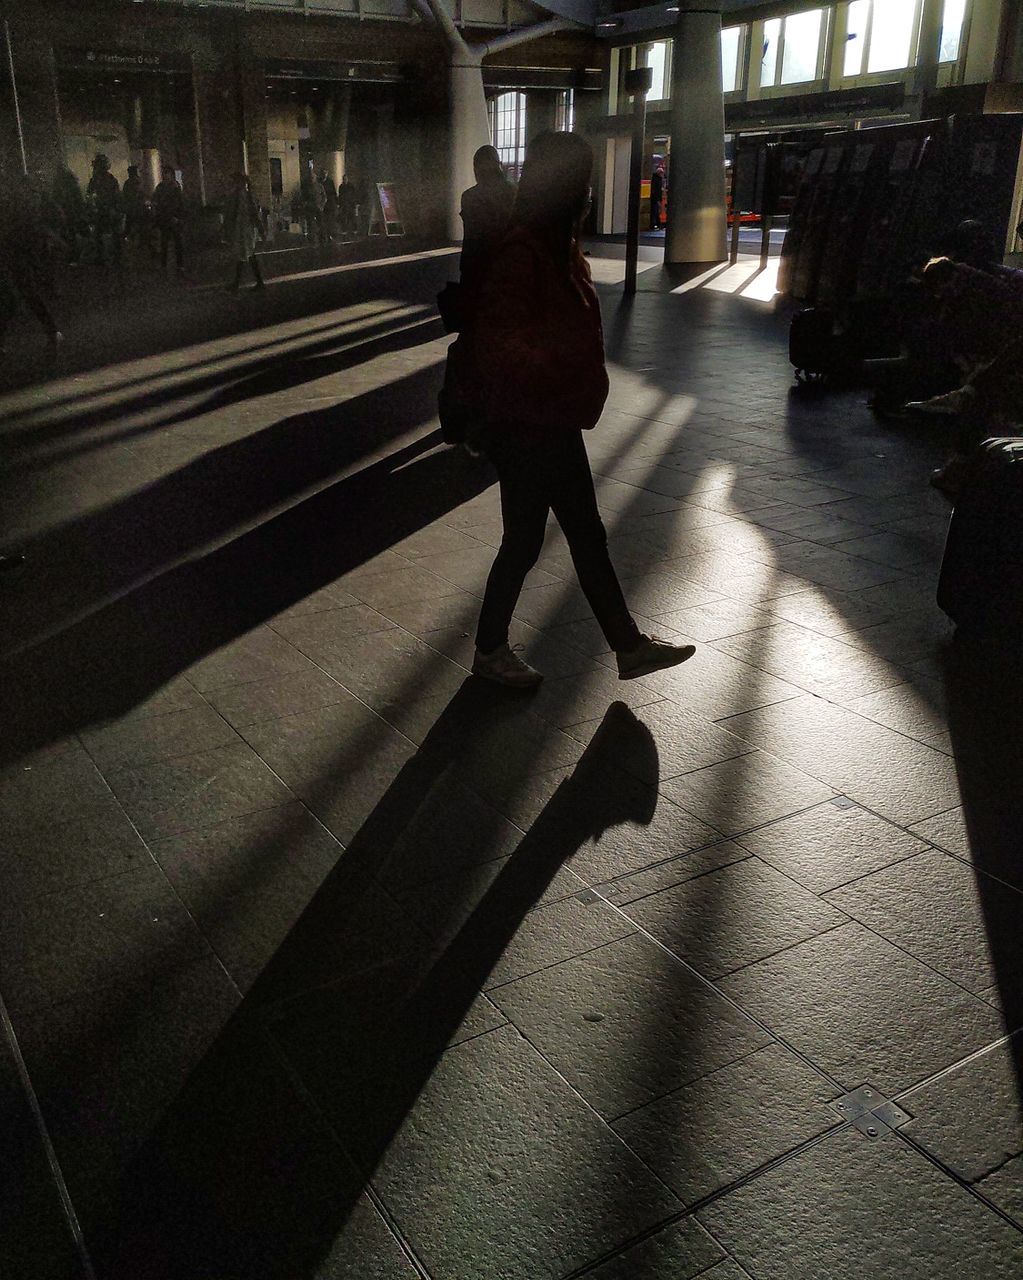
<point x="741" y="61"/>
<point x="512" y="167"/>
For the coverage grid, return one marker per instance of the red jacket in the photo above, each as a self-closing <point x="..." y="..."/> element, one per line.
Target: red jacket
<point x="538" y="341"/>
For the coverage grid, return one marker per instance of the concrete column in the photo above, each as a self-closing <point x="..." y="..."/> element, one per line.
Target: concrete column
<point x="696" y="229"/>
<point x="252" y="96"/>
<point x="470" y="128"/>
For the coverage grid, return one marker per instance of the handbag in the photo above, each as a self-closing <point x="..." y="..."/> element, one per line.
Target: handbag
<point x="460" y="402"/>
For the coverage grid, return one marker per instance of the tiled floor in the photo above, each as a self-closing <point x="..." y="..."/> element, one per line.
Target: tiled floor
<point x="321" y="961"/>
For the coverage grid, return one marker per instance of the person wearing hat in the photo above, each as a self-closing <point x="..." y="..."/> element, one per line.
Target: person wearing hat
<point x="104" y="194"/>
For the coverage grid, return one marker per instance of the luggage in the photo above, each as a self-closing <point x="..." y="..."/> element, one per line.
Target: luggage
<point x="814" y="348"/>
<point x="981" y="582"/>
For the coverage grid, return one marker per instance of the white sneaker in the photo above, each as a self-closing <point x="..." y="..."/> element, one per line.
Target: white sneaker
<point x="652" y="655"/>
<point x="504" y="666"/>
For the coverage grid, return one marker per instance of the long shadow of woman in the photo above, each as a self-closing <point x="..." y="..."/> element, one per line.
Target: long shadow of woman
<point x="243" y="1178"/>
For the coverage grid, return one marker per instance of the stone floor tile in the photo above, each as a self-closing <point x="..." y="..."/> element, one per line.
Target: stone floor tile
<point x="716" y="620"/>
<point x="715" y="685"/>
<point x="459" y="609"/>
<point x="330" y="629"/>
<point x="391" y="668"/>
<point x="551" y="657"/>
<point x="831" y="844"/>
<point x="946" y="830"/>
<point x="320" y="601"/>
<point x="586" y="635"/>
<point x="260" y="700"/>
<point x="248" y="880"/>
<point x="951" y="916"/>
<point x="746" y="791"/>
<point x="449" y="827"/>
<point x="666" y="590"/>
<point x="399" y="586"/>
<point x="862" y="1010"/>
<point x="51" y="791"/>
<point x="135" y="741"/>
<point x="470" y="569"/>
<point x="491" y="1149"/>
<point x="191" y="791"/>
<point x="971" y="1119"/>
<point x="916" y="708"/>
<point x="851" y="1203"/>
<point x="627" y="1023"/>
<point x="733" y="916"/>
<point x="682" y="1251"/>
<point x="262" y="654"/>
<point x="681" y="742"/>
<point x="35" y="1236"/>
<point x="437" y="539"/>
<point x="727" y="1124"/>
<point x="59" y="946"/>
<point x="900" y="779"/>
<point x="905" y="639"/>
<point x="897" y="550"/>
<point x="555" y="932"/>
<point x="819" y="664"/>
<point x="665" y="875"/>
<point x="832" y="613"/>
<point x="47" y="857"/>
<point x="569" y="700"/>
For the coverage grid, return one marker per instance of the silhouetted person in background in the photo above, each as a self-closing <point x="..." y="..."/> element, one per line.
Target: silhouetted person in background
<point x="329" y="215"/>
<point x="313" y="202"/>
<point x="136" y="210"/>
<point x="22" y="258"/>
<point x="67" y="196"/>
<point x="486" y="212"/>
<point x="347" y="206"/>
<point x="105" y="194"/>
<point x="169" y="216"/>
<point x="656" y="193"/>
<point x="242" y="224"/>
<point x="538" y="343"/>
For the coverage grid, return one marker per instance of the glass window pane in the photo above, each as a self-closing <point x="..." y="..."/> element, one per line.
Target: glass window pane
<point x="730" y="58"/>
<point x="951" y="30"/>
<point x="891" y="39"/>
<point x="657" y="60"/>
<point x="856" y="37"/>
<point x="802" y="46"/>
<point x="769" y="59"/>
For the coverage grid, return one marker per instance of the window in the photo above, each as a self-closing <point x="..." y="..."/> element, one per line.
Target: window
<point x="731" y="52"/>
<point x="857" y="29"/>
<point x="883" y="35"/>
<point x="657" y="60"/>
<point x="891" y="35"/>
<point x="508" y="126"/>
<point x="793" y="48"/>
<point x="565" y="118"/>
<point x="802" y="44"/>
<point x="953" y="17"/>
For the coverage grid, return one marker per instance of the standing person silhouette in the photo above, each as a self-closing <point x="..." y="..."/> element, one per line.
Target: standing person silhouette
<point x="538" y="347"/>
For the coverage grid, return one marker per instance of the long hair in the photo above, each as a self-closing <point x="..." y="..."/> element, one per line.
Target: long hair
<point x="554" y="190"/>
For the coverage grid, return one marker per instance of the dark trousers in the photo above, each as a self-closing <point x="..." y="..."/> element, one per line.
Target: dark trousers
<point x="171" y="236"/>
<point x="538" y="476"/>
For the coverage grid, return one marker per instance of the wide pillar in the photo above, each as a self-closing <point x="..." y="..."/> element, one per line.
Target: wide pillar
<point x="470" y="128"/>
<point x="697" y="230"/>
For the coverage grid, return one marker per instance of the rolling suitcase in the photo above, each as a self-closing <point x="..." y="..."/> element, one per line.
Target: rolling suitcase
<point x="980" y="586"/>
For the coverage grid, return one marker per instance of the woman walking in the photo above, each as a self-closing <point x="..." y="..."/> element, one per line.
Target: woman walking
<point x="243" y="228"/>
<point x="538" y="345"/>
